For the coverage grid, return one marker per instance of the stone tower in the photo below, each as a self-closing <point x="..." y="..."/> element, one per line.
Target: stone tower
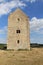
<point x="18" y="31"/>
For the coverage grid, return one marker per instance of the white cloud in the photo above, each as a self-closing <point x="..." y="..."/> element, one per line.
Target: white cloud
<point x="36" y="25"/>
<point x="3" y="30"/>
<point x="3" y="35"/>
<point x="1" y="0"/>
<point x="31" y="1"/>
<point x="3" y="40"/>
<point x="6" y="7"/>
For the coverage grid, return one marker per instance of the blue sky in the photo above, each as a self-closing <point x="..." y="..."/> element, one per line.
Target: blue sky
<point x="32" y="8"/>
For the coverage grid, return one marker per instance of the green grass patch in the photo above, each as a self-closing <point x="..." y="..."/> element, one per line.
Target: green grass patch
<point x="2" y="46"/>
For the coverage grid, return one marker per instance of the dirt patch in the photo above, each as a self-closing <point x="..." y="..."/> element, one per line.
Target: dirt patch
<point x="32" y="57"/>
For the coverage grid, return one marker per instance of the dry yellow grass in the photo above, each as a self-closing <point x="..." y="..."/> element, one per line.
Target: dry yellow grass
<point x="33" y="57"/>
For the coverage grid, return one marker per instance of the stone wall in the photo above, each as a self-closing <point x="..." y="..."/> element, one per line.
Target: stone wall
<point x="18" y="21"/>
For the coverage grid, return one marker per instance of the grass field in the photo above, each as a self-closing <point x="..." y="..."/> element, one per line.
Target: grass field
<point x="32" y="57"/>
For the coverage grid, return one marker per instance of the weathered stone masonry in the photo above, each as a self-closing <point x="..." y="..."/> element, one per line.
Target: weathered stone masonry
<point x="18" y="31"/>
